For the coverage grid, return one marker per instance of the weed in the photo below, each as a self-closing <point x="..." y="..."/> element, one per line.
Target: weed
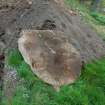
<point x="89" y="89"/>
<point x="99" y="17"/>
<point x="14" y="58"/>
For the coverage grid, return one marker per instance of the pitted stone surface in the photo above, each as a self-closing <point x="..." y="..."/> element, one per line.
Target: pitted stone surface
<point x="50" y="55"/>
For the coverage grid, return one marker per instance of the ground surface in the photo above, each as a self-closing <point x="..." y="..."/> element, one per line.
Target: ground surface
<point x="42" y="14"/>
<point x="89" y="89"/>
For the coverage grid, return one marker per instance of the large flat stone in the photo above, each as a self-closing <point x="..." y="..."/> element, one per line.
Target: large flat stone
<point x="51" y="57"/>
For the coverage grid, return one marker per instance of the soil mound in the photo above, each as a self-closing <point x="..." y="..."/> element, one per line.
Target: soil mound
<point x="44" y="15"/>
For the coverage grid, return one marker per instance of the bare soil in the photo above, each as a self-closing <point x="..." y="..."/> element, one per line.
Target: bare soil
<point x="16" y="15"/>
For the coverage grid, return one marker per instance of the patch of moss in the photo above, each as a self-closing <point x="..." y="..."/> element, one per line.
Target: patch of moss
<point x="14" y="58"/>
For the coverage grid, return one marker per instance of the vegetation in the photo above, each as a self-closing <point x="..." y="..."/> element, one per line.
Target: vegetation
<point x="14" y="57"/>
<point x="99" y="17"/>
<point x="89" y="89"/>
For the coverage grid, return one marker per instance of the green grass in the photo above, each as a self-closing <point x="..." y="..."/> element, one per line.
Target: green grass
<point x="89" y="89"/>
<point x="99" y="17"/>
<point x="14" y="57"/>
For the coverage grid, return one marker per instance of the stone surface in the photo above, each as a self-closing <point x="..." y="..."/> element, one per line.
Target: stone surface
<point x="50" y="55"/>
<point x="2" y="47"/>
